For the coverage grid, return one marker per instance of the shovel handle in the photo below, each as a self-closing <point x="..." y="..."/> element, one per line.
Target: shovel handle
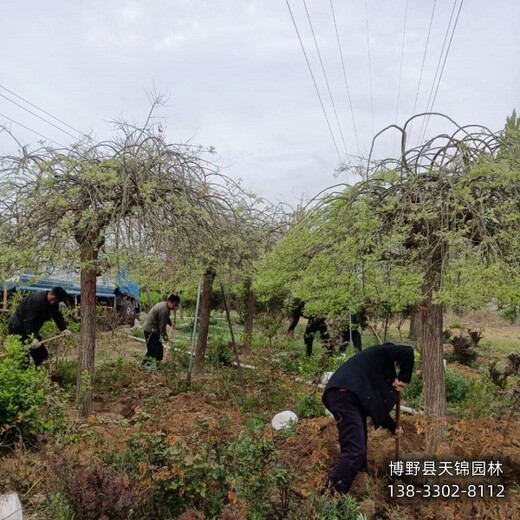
<point x="53" y="338"/>
<point x="397" y="424"/>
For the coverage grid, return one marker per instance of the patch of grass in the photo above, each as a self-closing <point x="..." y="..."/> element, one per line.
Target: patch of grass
<point x="501" y="347"/>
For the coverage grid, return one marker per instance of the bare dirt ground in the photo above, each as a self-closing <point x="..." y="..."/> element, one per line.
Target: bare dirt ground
<point x="147" y="403"/>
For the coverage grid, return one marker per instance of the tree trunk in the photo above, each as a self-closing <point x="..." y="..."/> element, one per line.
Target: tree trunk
<point x="434" y="388"/>
<point x="250" y="312"/>
<point x="205" y="312"/>
<point x="85" y="375"/>
<point x="415" y="323"/>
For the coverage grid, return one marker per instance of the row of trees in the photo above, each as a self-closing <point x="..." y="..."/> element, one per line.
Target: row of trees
<point x="440" y="225"/>
<point x="162" y="210"/>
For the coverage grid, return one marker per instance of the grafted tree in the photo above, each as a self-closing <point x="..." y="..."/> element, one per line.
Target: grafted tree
<point x="95" y="197"/>
<point x="455" y="194"/>
<point x="438" y="224"/>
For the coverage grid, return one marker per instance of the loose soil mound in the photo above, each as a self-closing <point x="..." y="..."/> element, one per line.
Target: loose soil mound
<point x="311" y="451"/>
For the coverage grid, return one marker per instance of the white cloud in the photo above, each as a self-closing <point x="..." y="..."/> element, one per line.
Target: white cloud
<point x="236" y="77"/>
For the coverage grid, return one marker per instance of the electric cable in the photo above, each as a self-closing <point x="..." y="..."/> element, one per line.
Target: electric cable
<point x="325" y="76"/>
<point x="44" y="111"/>
<point x="345" y="76"/>
<point x="39" y="117"/>
<point x="30" y="129"/>
<point x="313" y="80"/>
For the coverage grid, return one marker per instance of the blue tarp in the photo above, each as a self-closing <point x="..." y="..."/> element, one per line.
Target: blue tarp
<point x="30" y="283"/>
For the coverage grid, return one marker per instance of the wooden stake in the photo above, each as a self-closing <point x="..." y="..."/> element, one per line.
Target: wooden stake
<point x="235" y="351"/>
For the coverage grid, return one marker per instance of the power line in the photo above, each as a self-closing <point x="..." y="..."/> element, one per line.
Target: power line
<point x="39" y="117"/>
<point x="430" y="97"/>
<point x="313" y="79"/>
<point x="345" y="75"/>
<point x="325" y="76"/>
<point x="423" y="62"/>
<point x="30" y="130"/>
<point x="44" y="111"/>
<point x="443" y="65"/>
<point x="401" y="67"/>
<point x="369" y="68"/>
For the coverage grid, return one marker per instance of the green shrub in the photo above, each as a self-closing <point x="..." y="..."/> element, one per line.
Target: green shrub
<point x="251" y="463"/>
<point x="310" y="406"/>
<point x="480" y="400"/>
<point x="413" y="390"/>
<point x="457" y="386"/>
<point x="179" y="476"/>
<point x="219" y="353"/>
<point x="511" y="313"/>
<point x="66" y="373"/>
<point x="26" y="396"/>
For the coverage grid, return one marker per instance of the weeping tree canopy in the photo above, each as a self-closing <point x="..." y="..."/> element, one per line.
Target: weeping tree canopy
<point x="440" y="224"/>
<point x="97" y="204"/>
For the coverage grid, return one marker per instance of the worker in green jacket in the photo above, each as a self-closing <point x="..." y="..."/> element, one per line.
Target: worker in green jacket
<point x="155" y="328"/>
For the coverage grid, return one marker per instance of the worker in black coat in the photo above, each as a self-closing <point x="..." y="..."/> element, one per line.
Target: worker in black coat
<point x="315" y="325"/>
<point x="351" y="332"/>
<point x="29" y="317"/>
<point x="364" y="386"/>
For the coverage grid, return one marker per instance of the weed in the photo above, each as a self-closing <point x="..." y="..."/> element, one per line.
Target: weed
<point x="310" y="406"/>
<point x="321" y="507"/>
<point x="59" y="507"/>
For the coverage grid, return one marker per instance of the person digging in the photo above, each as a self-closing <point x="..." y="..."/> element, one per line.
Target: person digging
<point x="29" y="317"/>
<point x="366" y="385"/>
<point x="155" y="328"/>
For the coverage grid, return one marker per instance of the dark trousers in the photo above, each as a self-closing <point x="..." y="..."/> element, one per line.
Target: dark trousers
<point x="352" y="429"/>
<point x="154" y="347"/>
<point x="315" y="325"/>
<point x="39" y="354"/>
<point x="353" y="336"/>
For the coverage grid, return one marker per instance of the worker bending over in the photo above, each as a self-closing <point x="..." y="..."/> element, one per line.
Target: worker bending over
<point x="155" y="328"/>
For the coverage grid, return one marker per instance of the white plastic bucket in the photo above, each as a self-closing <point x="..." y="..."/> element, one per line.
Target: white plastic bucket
<point x="284" y="420"/>
<point x="10" y="507"/>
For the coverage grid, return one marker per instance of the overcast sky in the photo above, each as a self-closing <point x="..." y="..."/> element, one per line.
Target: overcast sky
<point x="236" y="78"/>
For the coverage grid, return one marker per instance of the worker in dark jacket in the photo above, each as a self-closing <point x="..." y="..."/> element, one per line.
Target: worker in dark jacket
<point x="314" y="326"/>
<point x="34" y="310"/>
<point x="351" y="333"/>
<point x="155" y="327"/>
<point x="364" y="386"/>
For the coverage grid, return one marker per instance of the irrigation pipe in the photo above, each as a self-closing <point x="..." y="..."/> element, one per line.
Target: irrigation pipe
<point x="191" y="354"/>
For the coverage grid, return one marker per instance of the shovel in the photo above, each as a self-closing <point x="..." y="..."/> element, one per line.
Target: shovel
<point x="44" y="341"/>
<point x="397" y="424"/>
